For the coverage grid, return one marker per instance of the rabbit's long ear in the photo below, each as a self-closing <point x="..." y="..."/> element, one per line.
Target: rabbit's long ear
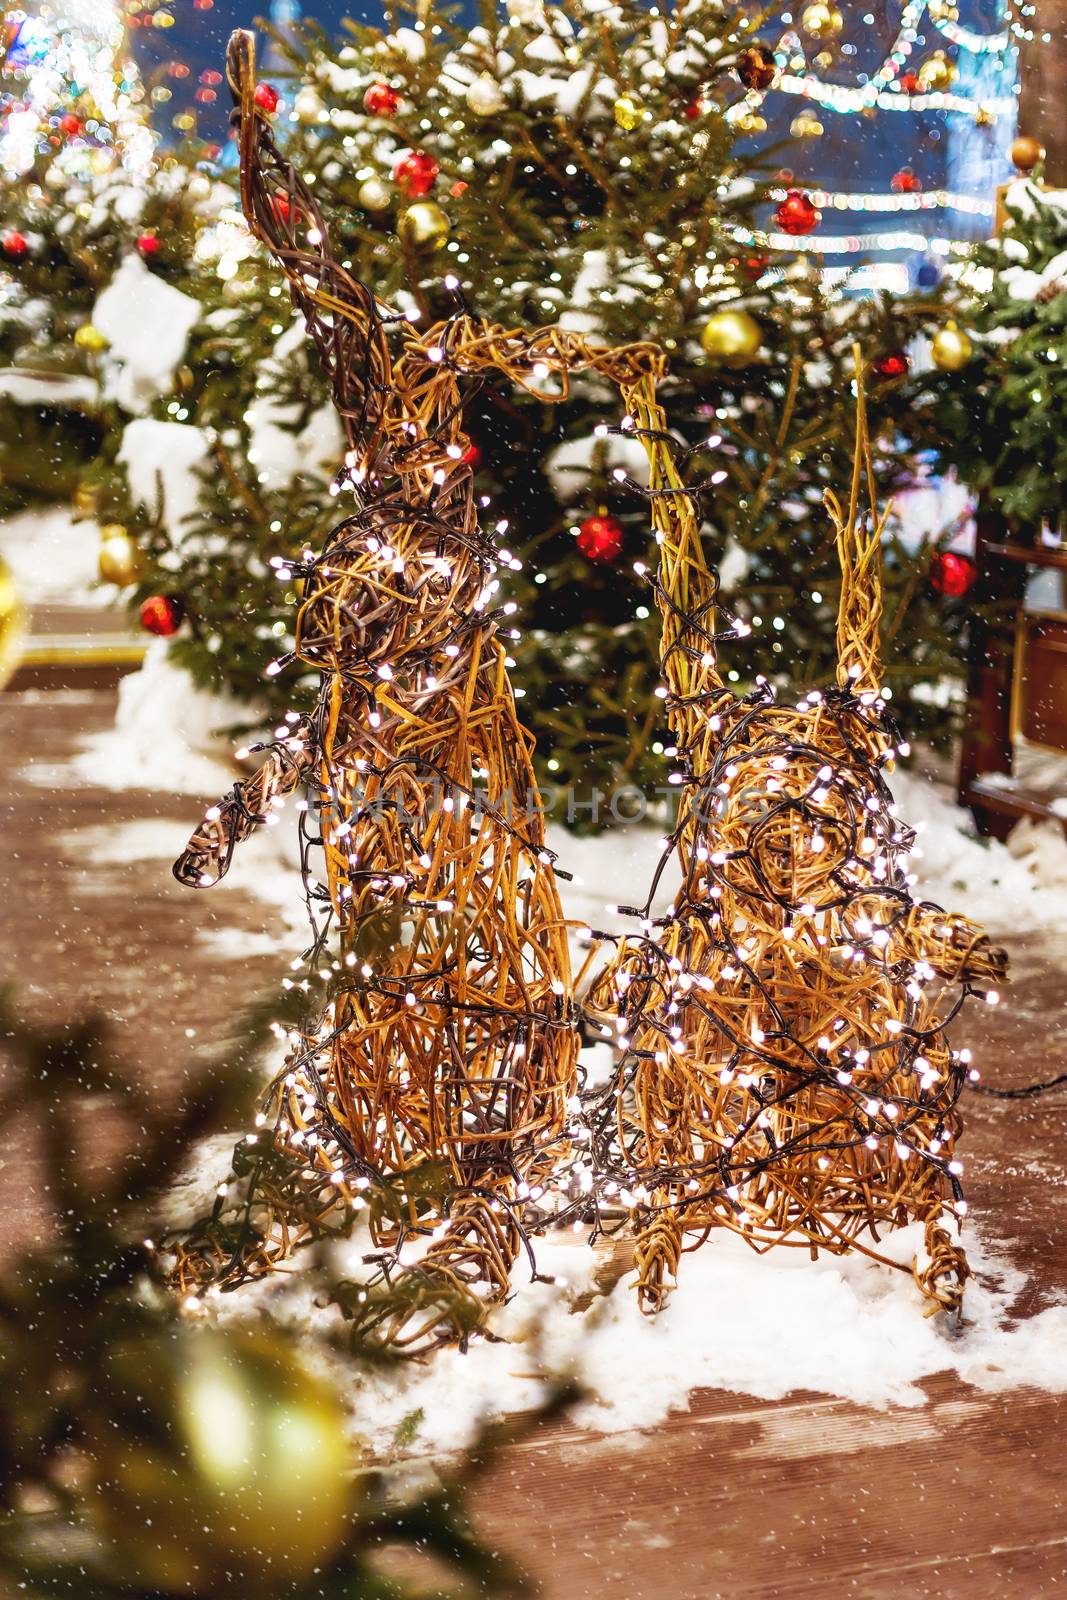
<point x="341" y="313"/>
<point x="859" y="552"/>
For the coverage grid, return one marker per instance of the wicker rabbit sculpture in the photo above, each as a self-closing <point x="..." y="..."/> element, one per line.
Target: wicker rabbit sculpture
<point x="784" y="1068"/>
<point x="442" y="1064"/>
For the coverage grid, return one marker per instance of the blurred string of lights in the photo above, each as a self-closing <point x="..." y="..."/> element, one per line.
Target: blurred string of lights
<point x="830" y="244"/>
<point x="73" y="89"/>
<point x="889" y="88"/>
<point x="928" y="200"/>
<point x="903" y="81"/>
<point x="884" y="239"/>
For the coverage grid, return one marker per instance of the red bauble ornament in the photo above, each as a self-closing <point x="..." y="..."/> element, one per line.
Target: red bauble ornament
<point x="69" y="124"/>
<point x="381" y="100"/>
<point x="952" y="573"/>
<point x="148" y="244"/>
<point x="162" y="614"/>
<point x="754" y="266"/>
<point x="279" y="204"/>
<point x="909" y="82"/>
<point x="15" y="244"/>
<point x="600" y="538"/>
<point x="893" y="365"/>
<point x="472" y="457"/>
<point x="267" y="97"/>
<point x="694" y="109"/>
<point x="905" y="182"/>
<point x="796" y="214"/>
<point x="416" y="173"/>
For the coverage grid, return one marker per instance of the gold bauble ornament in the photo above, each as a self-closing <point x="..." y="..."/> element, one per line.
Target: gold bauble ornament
<point x="375" y="195"/>
<point x="424" y="225"/>
<point x="821" y="20"/>
<point x="806" y="125"/>
<point x="12" y="623"/>
<point x="943" y="11"/>
<point x="120" y="560"/>
<point x="221" y="1465"/>
<point x="731" y="338"/>
<point x="936" y="74"/>
<point x="1026" y="152"/>
<point x="485" y="97"/>
<point x="87" y="337"/>
<point x="627" y="112"/>
<point x="951" y="348"/>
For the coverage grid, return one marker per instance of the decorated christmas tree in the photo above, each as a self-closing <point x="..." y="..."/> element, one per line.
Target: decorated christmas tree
<point x="575" y="164"/>
<point x="578" y="164"/>
<point x="75" y="154"/>
<point x="996" y="405"/>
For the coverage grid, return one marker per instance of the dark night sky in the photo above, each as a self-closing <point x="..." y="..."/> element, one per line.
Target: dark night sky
<point x="198" y="39"/>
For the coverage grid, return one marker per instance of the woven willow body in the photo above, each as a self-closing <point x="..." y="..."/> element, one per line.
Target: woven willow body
<point x="446" y="1056"/>
<point x="785" y="1070"/>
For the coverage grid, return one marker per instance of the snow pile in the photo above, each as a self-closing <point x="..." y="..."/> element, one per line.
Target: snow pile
<point x="570" y="465"/>
<point x="767" y="1326"/>
<point x="161" y="461"/>
<point x="934" y="509"/>
<point x="1024" y="196"/>
<point x="147" y="324"/>
<point x="279" y="452"/>
<point x="53" y="559"/>
<point x="1018" y="886"/>
<point x="29" y="387"/>
<point x="165" y="734"/>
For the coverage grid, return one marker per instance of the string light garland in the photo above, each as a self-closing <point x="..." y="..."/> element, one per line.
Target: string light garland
<point x="830" y="244"/>
<point x="921" y="200"/>
<point x="783" y="1067"/>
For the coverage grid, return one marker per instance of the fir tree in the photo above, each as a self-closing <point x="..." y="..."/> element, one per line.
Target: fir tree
<point x="576" y="163"/>
<point x="999" y="416"/>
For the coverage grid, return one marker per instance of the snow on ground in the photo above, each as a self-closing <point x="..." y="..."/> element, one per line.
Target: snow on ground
<point x="166" y="734"/>
<point x="767" y="1326"/>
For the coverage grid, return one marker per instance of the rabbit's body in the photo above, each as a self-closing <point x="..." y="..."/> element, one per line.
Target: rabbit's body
<point x="784" y="1067"/>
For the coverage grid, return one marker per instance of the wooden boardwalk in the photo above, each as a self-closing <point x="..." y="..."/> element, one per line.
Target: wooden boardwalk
<point x="737" y="1498"/>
